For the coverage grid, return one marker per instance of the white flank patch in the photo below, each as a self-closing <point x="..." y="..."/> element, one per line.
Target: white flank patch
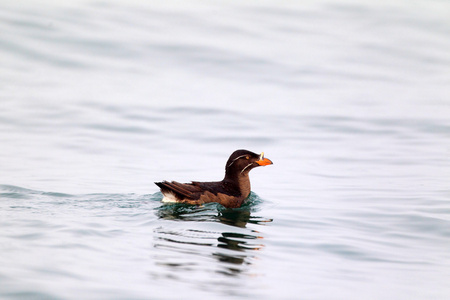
<point x="169" y="198"/>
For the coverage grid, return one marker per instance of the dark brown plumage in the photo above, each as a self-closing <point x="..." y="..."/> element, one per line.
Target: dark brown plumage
<point x="230" y="192"/>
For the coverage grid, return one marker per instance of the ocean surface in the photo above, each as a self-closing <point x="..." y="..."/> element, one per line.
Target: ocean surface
<point x="349" y="99"/>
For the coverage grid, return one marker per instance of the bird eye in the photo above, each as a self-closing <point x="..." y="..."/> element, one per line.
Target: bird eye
<point x="247" y="157"/>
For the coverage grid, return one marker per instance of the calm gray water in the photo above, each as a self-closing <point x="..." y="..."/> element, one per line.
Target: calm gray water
<point x="350" y="99"/>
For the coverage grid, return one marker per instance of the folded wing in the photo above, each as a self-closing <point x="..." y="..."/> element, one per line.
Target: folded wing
<point x="180" y="190"/>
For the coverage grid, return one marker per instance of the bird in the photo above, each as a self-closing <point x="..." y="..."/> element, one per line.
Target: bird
<point x="231" y="192"/>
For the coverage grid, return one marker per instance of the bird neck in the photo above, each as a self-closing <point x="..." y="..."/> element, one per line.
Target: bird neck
<point x="239" y="181"/>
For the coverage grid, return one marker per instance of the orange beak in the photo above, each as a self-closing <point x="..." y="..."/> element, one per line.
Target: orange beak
<point x="263" y="161"/>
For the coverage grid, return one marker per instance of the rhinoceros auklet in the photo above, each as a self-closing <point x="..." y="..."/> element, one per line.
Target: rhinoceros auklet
<point x="230" y="192"/>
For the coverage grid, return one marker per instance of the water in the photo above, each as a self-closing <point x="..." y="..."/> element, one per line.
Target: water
<point x="349" y="99"/>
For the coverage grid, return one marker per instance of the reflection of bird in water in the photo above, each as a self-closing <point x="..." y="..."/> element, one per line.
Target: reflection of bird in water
<point x="228" y="247"/>
<point x="240" y="217"/>
<point x="237" y="242"/>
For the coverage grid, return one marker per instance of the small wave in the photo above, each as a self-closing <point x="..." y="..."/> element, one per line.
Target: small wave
<point x="16" y="192"/>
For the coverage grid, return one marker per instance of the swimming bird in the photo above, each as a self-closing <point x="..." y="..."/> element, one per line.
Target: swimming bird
<point x="230" y="192"/>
